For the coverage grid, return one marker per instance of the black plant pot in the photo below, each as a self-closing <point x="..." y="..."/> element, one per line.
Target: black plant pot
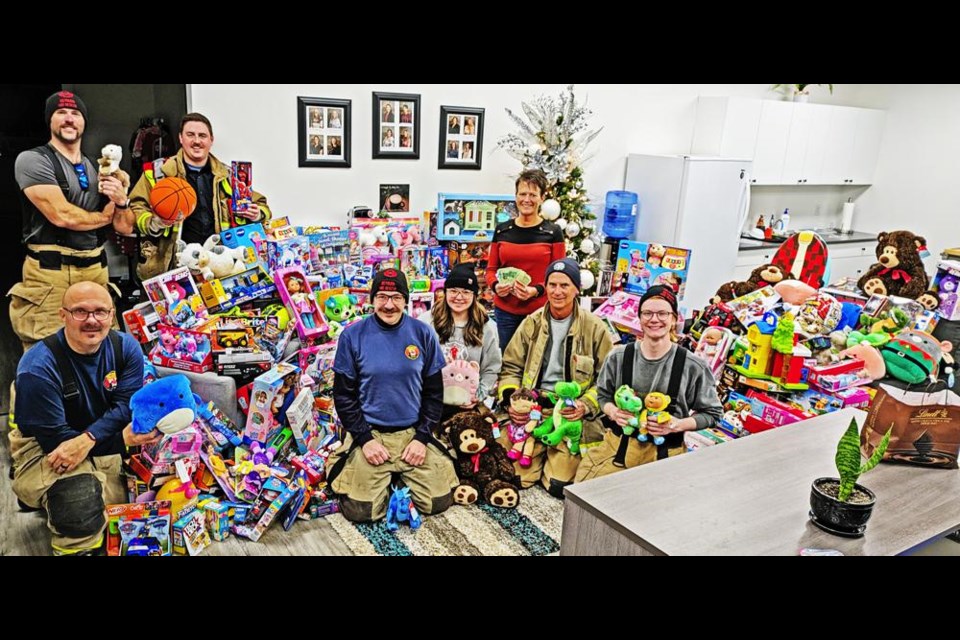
<point x="839" y="518"/>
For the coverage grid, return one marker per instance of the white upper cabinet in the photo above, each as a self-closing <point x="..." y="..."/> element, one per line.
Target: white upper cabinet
<point x="772" y="134"/>
<point x="792" y="143"/>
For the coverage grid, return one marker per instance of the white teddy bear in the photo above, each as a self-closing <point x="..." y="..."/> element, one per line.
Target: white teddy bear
<point x="224" y="261"/>
<point x="109" y="162"/>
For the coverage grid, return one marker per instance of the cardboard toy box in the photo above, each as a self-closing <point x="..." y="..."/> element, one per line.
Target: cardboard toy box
<point x="268" y="397"/>
<point x="141" y="529"/>
<point x="640" y="265"/>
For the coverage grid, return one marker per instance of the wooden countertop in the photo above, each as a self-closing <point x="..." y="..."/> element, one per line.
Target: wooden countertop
<point x="751" y="497"/>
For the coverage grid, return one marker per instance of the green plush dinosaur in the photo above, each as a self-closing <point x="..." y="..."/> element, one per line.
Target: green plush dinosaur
<point x="627" y="400"/>
<point x="559" y="428"/>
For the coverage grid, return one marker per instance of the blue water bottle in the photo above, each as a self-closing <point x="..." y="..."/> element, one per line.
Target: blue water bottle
<point x="620" y="218"/>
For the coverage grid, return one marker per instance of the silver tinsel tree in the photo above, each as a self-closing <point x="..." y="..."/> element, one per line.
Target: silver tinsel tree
<point x="553" y="138"/>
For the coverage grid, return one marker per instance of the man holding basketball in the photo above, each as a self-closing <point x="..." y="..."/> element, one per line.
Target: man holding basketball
<point x="66" y="216"/>
<point x="209" y="178"/>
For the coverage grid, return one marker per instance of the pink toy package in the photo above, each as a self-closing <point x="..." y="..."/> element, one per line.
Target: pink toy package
<point x="297" y="295"/>
<point x="621" y="309"/>
<point x="182" y="349"/>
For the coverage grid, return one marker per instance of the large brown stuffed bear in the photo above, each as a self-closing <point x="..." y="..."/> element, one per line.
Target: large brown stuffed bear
<point x="482" y="465"/>
<point x="767" y="274"/>
<point x="899" y="269"/>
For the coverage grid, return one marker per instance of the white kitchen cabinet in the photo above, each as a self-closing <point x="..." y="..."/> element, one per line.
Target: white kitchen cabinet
<point x="851" y="260"/>
<point x="747" y="261"/>
<point x="773" y="131"/>
<point x="792" y="143"/>
<point x="806" y="144"/>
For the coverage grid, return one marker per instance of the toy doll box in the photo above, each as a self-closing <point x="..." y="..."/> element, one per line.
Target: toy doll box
<point x="141" y="529"/>
<point x="267" y="398"/>
<point x="295" y="291"/>
<point x="182" y="349"/>
<point x="945" y="283"/>
<point x="241" y="183"/>
<point x="176" y="299"/>
<point x="640" y="265"/>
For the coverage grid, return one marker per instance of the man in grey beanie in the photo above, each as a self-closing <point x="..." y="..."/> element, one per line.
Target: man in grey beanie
<point x="557" y="343"/>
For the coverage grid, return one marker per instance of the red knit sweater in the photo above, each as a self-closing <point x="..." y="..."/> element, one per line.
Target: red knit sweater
<point x="529" y="248"/>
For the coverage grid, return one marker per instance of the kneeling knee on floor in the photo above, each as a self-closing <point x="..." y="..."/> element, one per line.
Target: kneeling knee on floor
<point x="75" y="506"/>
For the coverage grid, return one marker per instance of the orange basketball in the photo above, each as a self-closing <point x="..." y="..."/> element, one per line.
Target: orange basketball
<point x="173" y="199"/>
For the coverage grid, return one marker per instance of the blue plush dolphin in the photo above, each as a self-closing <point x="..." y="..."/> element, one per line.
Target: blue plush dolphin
<point x="166" y="404"/>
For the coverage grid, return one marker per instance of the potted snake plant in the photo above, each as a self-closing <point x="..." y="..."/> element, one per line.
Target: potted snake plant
<point x="839" y="505"/>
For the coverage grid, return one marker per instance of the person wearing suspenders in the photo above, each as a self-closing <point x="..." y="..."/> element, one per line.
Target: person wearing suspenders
<point x="653" y="364"/>
<point x="73" y="410"/>
<point x="66" y="216"/>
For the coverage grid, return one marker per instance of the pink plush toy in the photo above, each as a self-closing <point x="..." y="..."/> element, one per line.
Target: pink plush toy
<point x="460" y="382"/>
<point x="794" y="292"/>
<point x="873" y="363"/>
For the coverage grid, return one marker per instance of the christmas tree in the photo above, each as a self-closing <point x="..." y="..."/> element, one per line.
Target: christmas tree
<point x="553" y="138"/>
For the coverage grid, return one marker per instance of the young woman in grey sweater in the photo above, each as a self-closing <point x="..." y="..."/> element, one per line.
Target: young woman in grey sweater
<point x="465" y="330"/>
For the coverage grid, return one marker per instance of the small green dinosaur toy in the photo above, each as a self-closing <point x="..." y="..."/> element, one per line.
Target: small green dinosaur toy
<point x="627" y="400"/>
<point x="559" y="428"/>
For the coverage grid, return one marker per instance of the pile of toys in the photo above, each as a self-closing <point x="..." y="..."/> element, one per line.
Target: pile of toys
<point x="785" y="347"/>
<point x="264" y="304"/>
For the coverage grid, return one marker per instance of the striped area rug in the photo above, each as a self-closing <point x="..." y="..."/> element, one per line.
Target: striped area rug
<point x="532" y="529"/>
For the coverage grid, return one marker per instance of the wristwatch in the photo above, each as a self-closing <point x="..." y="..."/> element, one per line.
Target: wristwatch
<point x="125" y="205"/>
<point x="90" y="435"/>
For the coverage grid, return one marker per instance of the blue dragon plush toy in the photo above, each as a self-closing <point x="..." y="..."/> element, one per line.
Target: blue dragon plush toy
<point x="401" y="509"/>
<point x="166" y="404"/>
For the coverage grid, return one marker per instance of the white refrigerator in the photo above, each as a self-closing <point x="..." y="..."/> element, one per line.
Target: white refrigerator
<point x="695" y="203"/>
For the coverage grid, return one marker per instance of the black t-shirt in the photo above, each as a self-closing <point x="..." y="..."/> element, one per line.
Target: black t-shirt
<point x="200" y="225"/>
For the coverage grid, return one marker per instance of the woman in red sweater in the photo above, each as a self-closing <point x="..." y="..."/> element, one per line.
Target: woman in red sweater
<point x="530" y="243"/>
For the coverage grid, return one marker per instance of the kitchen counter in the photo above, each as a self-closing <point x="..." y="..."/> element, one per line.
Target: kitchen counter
<point x="830" y="236"/>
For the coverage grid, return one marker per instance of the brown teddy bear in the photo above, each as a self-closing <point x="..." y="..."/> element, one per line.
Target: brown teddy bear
<point x="482" y="465"/>
<point x="767" y="274"/>
<point x="899" y="270"/>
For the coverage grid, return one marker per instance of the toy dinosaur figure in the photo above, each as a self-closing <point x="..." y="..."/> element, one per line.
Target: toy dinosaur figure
<point x="655" y="405"/>
<point x="559" y="428"/>
<point x="401" y="509"/>
<point x="627" y="400"/>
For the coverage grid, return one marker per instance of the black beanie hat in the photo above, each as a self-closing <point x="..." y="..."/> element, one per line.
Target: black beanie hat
<point x="663" y="292"/>
<point x="463" y="276"/>
<point x="390" y="281"/>
<point x="566" y="266"/>
<point x="64" y="100"/>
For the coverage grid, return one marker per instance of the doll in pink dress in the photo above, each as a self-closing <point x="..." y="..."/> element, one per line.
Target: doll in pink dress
<point x="301" y="301"/>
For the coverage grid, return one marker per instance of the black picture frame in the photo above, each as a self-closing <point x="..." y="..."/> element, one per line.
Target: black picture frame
<point x="456" y="138"/>
<point x="396" y="126"/>
<point x="318" y="143"/>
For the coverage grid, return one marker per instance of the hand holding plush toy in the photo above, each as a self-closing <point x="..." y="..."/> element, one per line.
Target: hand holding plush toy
<point x="655" y="405"/>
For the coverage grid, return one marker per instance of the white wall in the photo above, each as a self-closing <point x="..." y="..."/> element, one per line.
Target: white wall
<point x="916" y="185"/>
<point x="259" y="123"/>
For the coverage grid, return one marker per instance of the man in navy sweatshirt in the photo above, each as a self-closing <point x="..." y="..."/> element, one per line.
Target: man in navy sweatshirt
<point x="388" y="391"/>
<point x="65" y="451"/>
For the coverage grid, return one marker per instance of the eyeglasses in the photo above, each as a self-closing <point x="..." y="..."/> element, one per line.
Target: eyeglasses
<point x="661" y="315"/>
<point x="82" y="177"/>
<point x="459" y="293"/>
<point x="384" y="299"/>
<point x="82" y="314"/>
